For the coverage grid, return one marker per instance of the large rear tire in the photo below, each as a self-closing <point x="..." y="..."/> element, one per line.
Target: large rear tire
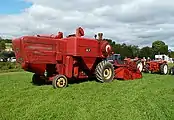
<point x="104" y="71"/>
<point x="38" y="79"/>
<point x="164" y="69"/>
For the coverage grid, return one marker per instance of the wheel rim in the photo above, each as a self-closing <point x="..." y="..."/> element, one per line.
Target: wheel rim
<point x="165" y="69"/>
<point x="107" y="73"/>
<point x="140" y="66"/>
<point x="61" y="82"/>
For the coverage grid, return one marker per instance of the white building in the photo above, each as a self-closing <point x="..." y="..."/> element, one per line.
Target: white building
<point x="164" y="57"/>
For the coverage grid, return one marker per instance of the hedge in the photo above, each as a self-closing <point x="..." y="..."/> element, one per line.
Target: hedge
<point x="9" y="67"/>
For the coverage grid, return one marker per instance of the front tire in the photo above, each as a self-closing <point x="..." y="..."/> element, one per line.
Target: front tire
<point x="60" y="81"/>
<point x="38" y="79"/>
<point x="164" y="69"/>
<point x="104" y="72"/>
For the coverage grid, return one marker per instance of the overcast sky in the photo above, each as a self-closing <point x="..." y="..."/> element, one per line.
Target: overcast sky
<point x="137" y="22"/>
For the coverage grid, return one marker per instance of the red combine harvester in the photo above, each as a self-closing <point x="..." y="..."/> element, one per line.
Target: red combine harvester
<point x="58" y="59"/>
<point x="156" y="66"/>
<point x="127" y="69"/>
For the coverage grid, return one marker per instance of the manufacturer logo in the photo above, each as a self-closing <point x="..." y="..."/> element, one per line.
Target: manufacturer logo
<point x="108" y="48"/>
<point x="88" y="49"/>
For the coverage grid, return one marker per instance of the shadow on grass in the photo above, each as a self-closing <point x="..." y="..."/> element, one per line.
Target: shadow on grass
<point x="80" y="81"/>
<point x="70" y="81"/>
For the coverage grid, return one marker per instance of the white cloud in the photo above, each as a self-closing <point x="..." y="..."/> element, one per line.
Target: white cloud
<point x="138" y="22"/>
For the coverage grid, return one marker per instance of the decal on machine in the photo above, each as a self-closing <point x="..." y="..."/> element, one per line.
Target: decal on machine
<point x="88" y="49"/>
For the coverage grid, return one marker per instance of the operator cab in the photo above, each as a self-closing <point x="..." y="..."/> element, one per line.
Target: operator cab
<point x="114" y="58"/>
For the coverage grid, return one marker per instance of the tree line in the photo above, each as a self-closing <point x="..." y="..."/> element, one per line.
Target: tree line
<point x="4" y="55"/>
<point x="3" y="43"/>
<point x="132" y="51"/>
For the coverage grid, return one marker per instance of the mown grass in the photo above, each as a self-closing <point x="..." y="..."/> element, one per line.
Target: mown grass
<point x="170" y="64"/>
<point x="149" y="98"/>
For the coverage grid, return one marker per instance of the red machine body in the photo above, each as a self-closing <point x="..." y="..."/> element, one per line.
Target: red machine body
<point x="126" y="69"/>
<point x="71" y="57"/>
<point x="138" y="61"/>
<point x="156" y="66"/>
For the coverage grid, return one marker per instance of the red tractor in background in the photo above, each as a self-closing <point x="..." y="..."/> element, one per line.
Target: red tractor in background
<point x="156" y="66"/>
<point x="117" y="57"/>
<point x="58" y="59"/>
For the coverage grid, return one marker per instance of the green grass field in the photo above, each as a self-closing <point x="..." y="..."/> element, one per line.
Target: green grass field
<point x="149" y="98"/>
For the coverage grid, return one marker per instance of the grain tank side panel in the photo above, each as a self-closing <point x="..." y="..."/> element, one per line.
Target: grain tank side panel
<point x="71" y="46"/>
<point x="40" y="50"/>
<point x="61" y="49"/>
<point x="84" y="47"/>
<point x="87" y="47"/>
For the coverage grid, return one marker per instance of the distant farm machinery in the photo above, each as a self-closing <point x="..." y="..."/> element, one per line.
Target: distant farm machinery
<point x="156" y="66"/>
<point x="150" y="66"/>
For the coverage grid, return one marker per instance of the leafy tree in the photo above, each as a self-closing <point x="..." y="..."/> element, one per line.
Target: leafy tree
<point x="123" y="49"/>
<point x="8" y="40"/>
<point x="146" y="52"/>
<point x="159" y="47"/>
<point x="164" y="50"/>
<point x="171" y="54"/>
<point x="2" y="45"/>
<point x="4" y="55"/>
<point x="135" y="50"/>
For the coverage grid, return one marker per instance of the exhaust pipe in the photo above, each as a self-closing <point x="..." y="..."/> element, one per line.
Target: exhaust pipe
<point x="100" y="36"/>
